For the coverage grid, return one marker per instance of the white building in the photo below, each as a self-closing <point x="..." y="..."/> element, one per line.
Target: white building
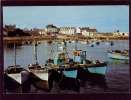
<point x="86" y="31"/>
<point x="67" y="30"/>
<point x="78" y="30"/>
<point x="121" y="33"/>
<point x="42" y="32"/>
<point x="51" y="29"/>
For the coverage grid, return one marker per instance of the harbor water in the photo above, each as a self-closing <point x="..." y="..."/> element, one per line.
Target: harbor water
<point x="117" y="73"/>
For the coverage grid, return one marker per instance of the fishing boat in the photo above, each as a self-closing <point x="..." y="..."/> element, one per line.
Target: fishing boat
<point x="117" y="54"/>
<point x="80" y="60"/>
<point x="97" y="68"/>
<point x="62" y="60"/>
<point x="15" y="75"/>
<point x="65" y="67"/>
<point x="69" y="78"/>
<point x="94" y="67"/>
<point x="39" y="74"/>
<point x="69" y="68"/>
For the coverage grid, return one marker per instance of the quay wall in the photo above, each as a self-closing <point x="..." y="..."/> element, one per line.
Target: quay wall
<point x="60" y="38"/>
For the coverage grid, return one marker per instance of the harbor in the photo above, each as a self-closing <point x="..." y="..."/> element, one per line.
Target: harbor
<point x="66" y="50"/>
<point x="115" y="68"/>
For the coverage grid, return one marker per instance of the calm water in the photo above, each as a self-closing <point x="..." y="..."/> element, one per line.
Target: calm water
<point x="117" y="75"/>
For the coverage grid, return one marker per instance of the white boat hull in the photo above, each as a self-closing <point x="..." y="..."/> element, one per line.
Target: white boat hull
<point x="118" y="56"/>
<point x="20" y="78"/>
<point x="17" y="77"/>
<point x="42" y="76"/>
<point x="41" y="79"/>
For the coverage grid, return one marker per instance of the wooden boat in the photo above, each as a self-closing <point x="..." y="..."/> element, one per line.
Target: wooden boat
<point x="99" y="68"/>
<point x="61" y="59"/>
<point x="39" y="74"/>
<point x="117" y="54"/>
<point x="96" y="67"/>
<point x="69" y="79"/>
<point x="69" y="68"/>
<point x="15" y="75"/>
<point x="80" y="60"/>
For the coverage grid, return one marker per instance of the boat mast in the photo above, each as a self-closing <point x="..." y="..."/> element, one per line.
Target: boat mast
<point x="35" y="52"/>
<point x="65" y="48"/>
<point x="76" y="41"/>
<point x="76" y="44"/>
<point x="14" y="54"/>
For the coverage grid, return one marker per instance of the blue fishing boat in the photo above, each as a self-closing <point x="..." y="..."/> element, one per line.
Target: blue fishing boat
<point x="96" y="67"/>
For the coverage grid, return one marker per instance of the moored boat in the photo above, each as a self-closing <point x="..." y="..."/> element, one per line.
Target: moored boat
<point x="15" y="75"/>
<point x="117" y="54"/>
<point x="39" y="74"/>
<point x="80" y="60"/>
<point x="95" y="66"/>
<point x="111" y="43"/>
<point x="97" y="42"/>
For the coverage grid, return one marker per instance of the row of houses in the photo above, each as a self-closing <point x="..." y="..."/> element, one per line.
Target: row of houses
<point x="120" y="33"/>
<point x="51" y="29"/>
<point x="54" y="30"/>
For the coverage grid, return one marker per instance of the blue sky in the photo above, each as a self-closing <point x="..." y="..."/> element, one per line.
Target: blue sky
<point x="103" y="18"/>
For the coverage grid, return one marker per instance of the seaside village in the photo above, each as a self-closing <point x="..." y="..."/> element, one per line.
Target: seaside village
<point x="53" y="30"/>
<point x="68" y="73"/>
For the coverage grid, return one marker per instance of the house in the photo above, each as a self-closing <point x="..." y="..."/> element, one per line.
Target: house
<point x="52" y="30"/>
<point x="42" y="32"/>
<point x="86" y="31"/>
<point x="67" y="30"/>
<point x="121" y="33"/>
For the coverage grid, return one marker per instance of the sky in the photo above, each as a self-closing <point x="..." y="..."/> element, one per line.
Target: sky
<point x="103" y="18"/>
